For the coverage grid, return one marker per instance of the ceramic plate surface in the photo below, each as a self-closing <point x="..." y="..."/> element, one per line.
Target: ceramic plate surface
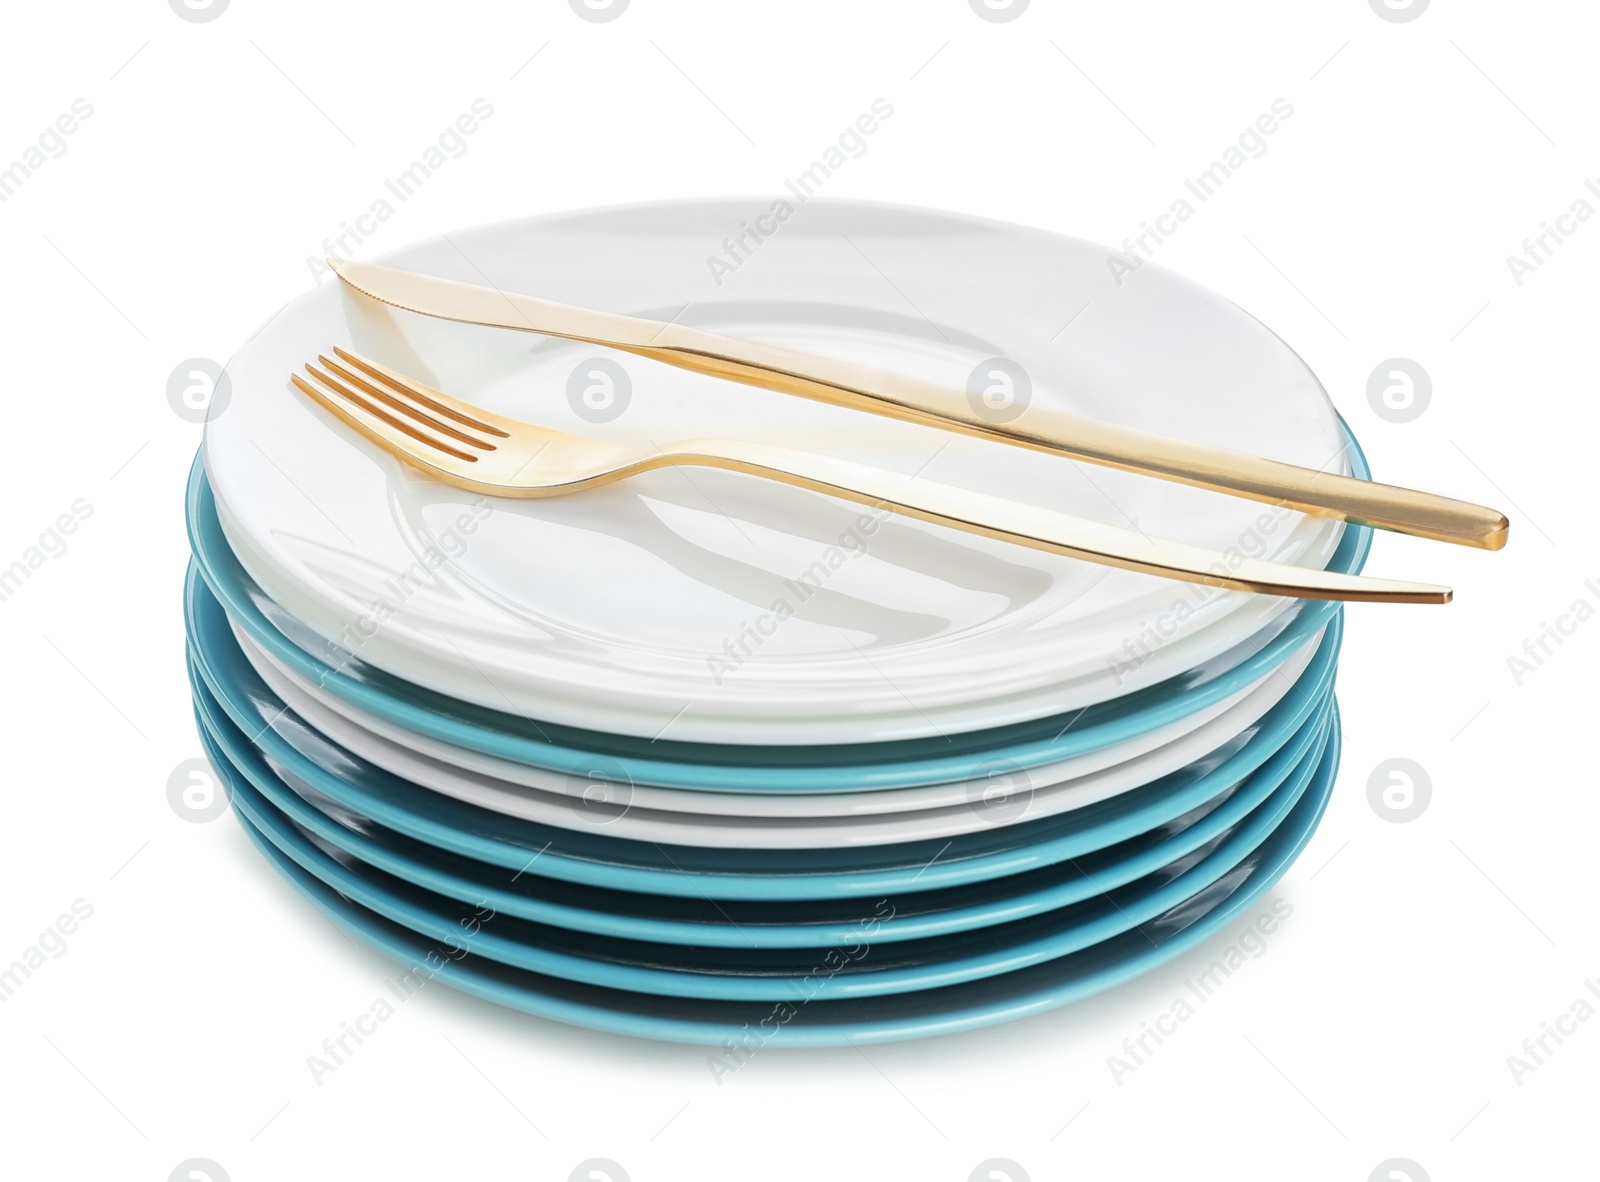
<point x="405" y="752"/>
<point x="865" y="968"/>
<point x="258" y="788"/>
<point x="824" y="1022"/>
<point x="304" y="756"/>
<point x="672" y="815"/>
<point x="705" y="767"/>
<point x="716" y="607"/>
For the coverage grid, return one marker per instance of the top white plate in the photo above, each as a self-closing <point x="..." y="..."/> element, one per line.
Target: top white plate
<point x="711" y="606"/>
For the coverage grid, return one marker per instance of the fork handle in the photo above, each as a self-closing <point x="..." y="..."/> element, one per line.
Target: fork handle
<point x="1036" y="527"/>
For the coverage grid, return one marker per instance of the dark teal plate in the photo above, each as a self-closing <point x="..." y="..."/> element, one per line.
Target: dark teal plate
<point x="799" y="1021"/>
<point x="732" y="923"/>
<point x="868" y="967"/>
<point x="304" y="757"/>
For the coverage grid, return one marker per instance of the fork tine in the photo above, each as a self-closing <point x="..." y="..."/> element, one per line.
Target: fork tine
<point x="405" y="407"/>
<point x="374" y="422"/>
<point x="462" y="412"/>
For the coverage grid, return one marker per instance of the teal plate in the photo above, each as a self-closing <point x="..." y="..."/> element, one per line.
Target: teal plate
<point x="798" y="1021"/>
<point x="714" y="767"/>
<point x="870" y="968"/>
<point x="729" y="923"/>
<point x="303" y="756"/>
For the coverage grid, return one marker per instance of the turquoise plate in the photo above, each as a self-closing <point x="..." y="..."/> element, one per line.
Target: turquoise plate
<point x="751" y="1026"/>
<point x="729" y="923"/>
<point x="301" y="754"/>
<point x="869" y="968"/>
<point x="712" y="767"/>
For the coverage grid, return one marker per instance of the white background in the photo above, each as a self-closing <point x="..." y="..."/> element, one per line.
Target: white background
<point x="219" y="156"/>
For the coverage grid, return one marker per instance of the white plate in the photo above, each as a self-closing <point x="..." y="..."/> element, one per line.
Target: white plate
<point x="652" y="608"/>
<point x="350" y="726"/>
<point x="776" y="821"/>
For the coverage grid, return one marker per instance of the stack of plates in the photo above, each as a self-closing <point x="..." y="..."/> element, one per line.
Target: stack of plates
<point x="707" y="758"/>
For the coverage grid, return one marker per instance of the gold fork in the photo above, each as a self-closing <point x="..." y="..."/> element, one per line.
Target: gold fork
<point x="472" y="448"/>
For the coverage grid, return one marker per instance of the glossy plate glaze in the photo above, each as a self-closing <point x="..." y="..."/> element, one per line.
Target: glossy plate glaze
<point x="605" y="799"/>
<point x="721" y="608"/>
<point x="867" y="968"/>
<point x="255" y="785"/>
<point x="715" y="767"/>
<point x="436" y="764"/>
<point x="1001" y="849"/>
<point x="822" y="1022"/>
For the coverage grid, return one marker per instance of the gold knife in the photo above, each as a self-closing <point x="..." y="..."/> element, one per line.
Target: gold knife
<point x="842" y="383"/>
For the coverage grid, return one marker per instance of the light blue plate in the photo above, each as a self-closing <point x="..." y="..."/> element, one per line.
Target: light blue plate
<point x="823" y="1022"/>
<point x="712" y="767"/>
<point x="869" y="969"/>
<point x="303" y="756"/>
<point x="729" y="923"/>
